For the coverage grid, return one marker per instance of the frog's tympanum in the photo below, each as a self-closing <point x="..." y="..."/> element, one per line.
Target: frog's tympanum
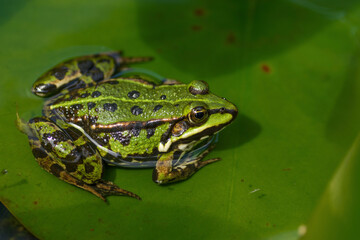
<point x="133" y="120"/>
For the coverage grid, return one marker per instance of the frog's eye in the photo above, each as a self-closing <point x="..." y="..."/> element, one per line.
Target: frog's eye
<point x="198" y="115"/>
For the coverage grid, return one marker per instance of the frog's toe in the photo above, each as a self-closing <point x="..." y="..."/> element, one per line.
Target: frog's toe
<point x="107" y="188"/>
<point x="206" y="162"/>
<point x="22" y="125"/>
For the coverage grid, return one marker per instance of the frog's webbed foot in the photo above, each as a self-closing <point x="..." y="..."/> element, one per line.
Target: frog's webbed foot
<point x="83" y="71"/>
<point x="165" y="173"/>
<point x="101" y="188"/>
<point x="71" y="159"/>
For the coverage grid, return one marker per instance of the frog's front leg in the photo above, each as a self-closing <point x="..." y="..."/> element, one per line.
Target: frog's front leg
<point x="83" y="71"/>
<point x="73" y="161"/>
<point x="165" y="172"/>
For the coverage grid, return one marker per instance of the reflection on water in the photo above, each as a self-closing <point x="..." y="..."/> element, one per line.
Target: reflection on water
<point x="10" y="228"/>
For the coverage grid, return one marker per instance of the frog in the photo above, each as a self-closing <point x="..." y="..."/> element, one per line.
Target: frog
<point x="98" y="112"/>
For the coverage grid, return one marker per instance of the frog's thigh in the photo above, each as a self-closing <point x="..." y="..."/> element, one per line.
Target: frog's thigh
<point x="51" y="166"/>
<point x="165" y="173"/>
<point x="85" y="71"/>
<point x="58" y="154"/>
<point x="75" y="156"/>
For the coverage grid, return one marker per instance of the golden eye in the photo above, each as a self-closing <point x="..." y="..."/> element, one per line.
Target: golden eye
<point x="198" y="115"/>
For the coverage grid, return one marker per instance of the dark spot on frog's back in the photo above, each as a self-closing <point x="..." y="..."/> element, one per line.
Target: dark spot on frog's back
<point x="112" y="107"/>
<point x="136" y="110"/>
<point x="133" y="94"/>
<point x="163" y="97"/>
<point x="96" y="94"/>
<point x="60" y="72"/>
<point x="157" y="108"/>
<point x="84" y="95"/>
<point x="85" y="66"/>
<point x="91" y="105"/>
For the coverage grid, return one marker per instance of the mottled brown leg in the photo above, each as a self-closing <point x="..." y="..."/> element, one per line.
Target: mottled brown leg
<point x="74" y="162"/>
<point x="100" y="189"/>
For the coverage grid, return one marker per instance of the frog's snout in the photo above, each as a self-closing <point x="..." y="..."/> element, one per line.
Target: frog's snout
<point x="231" y="109"/>
<point x="43" y="90"/>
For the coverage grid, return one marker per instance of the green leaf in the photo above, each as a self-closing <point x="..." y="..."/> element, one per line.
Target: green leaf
<point x="291" y="67"/>
<point x="337" y="216"/>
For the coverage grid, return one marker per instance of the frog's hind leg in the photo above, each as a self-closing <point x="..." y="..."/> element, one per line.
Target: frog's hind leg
<point x="72" y="160"/>
<point x="165" y="173"/>
<point x="83" y="71"/>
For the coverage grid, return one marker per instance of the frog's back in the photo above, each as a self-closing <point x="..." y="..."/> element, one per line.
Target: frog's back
<point x="127" y="118"/>
<point x="122" y="100"/>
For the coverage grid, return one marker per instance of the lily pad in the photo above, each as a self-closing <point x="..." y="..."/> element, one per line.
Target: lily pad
<point x="291" y="67"/>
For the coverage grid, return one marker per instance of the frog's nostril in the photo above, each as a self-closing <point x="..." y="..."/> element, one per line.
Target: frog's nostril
<point x="222" y="110"/>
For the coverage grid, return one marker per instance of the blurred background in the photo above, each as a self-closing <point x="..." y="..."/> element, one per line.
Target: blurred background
<point x="290" y="160"/>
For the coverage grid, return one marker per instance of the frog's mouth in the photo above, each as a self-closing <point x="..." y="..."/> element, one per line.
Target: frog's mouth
<point x="199" y="133"/>
<point x="199" y="148"/>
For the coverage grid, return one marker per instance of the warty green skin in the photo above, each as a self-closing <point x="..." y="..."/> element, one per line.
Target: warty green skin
<point x="129" y="122"/>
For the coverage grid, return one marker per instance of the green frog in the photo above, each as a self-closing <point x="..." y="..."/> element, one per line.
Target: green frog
<point x="97" y="111"/>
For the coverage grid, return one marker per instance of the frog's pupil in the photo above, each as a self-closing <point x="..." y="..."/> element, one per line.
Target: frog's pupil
<point x="199" y="115"/>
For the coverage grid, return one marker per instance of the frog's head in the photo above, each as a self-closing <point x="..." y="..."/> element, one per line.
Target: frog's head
<point x="203" y="116"/>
